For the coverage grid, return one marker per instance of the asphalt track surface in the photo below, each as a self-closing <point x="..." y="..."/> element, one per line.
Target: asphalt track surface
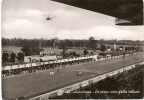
<point x="30" y="85"/>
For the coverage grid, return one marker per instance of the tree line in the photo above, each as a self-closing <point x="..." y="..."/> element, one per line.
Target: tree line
<point x="29" y="48"/>
<point x="71" y="43"/>
<point x="35" y="46"/>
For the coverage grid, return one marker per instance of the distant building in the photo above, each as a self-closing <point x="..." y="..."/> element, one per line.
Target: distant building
<point x="109" y="49"/>
<point x="114" y="47"/>
<point x="47" y="52"/>
<point x="37" y="58"/>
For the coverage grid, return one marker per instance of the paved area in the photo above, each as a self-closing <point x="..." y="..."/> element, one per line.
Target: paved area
<point x="41" y="82"/>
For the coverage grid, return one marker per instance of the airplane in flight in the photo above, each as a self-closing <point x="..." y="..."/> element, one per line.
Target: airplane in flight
<point x="49" y="18"/>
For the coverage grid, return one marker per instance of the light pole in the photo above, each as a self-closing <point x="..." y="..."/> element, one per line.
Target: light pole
<point x="123" y="52"/>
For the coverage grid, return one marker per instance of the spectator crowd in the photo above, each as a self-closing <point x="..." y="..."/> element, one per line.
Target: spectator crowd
<point x="42" y="66"/>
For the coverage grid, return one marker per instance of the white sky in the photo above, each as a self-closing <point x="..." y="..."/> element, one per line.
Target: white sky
<point x="26" y="19"/>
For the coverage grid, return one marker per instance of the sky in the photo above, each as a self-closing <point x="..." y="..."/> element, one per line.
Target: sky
<point x="27" y="19"/>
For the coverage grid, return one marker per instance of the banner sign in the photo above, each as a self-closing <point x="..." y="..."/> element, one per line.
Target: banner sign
<point x="85" y="83"/>
<point x="90" y="82"/>
<point x="115" y="72"/>
<point x="74" y="87"/>
<point x="67" y="90"/>
<point x="53" y="94"/>
<point x="60" y="92"/>
<point x="111" y="73"/>
<point x="121" y="70"/>
<point x="44" y="98"/>
<point x="96" y="79"/>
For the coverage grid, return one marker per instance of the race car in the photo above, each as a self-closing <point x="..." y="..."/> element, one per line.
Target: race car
<point x="80" y="73"/>
<point x="136" y="58"/>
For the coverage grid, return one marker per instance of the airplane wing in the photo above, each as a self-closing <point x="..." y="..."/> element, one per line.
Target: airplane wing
<point x="129" y="12"/>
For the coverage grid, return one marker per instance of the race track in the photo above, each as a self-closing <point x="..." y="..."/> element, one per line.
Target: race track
<point x="30" y="85"/>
